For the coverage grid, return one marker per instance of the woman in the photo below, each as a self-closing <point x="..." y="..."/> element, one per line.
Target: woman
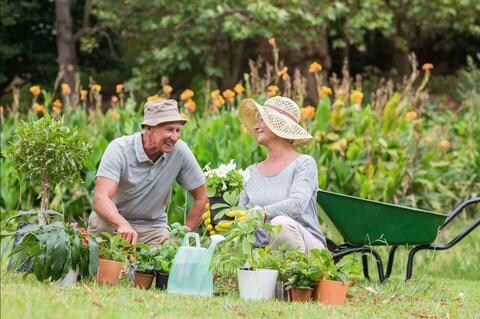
<point x="284" y="184"/>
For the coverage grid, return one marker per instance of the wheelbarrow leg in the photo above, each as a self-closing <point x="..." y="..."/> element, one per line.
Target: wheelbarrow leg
<point x="365" y="266"/>
<point x="391" y="257"/>
<point x="381" y="275"/>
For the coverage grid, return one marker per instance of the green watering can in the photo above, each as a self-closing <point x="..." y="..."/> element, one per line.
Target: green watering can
<point x="190" y="272"/>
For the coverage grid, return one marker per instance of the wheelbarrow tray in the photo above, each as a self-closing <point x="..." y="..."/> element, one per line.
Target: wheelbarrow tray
<point x="367" y="222"/>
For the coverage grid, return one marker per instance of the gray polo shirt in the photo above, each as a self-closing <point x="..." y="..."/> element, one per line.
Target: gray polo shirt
<point x="144" y="186"/>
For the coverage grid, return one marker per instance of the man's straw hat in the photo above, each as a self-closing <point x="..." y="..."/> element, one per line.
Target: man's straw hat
<point x="280" y="114"/>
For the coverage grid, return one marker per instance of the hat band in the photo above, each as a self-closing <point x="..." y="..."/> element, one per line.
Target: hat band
<point x="279" y="110"/>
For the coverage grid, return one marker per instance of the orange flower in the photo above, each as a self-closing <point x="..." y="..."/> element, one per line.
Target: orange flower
<point x="325" y="91"/>
<point x="35" y="90"/>
<point x="272" y="90"/>
<point x="119" y="88"/>
<point x="427" y="67"/>
<point x="38" y="108"/>
<point x="307" y="113"/>
<point x="57" y="103"/>
<point x="229" y="95"/>
<point x="410" y="116"/>
<point x="272" y="42"/>
<point x="191" y="105"/>
<point x="444" y="145"/>
<point x="167" y="89"/>
<point x="114" y="99"/>
<point x="356" y="97"/>
<point x="66" y="90"/>
<point x="186" y="95"/>
<point x="283" y="73"/>
<point x="83" y="95"/>
<point x="215" y="94"/>
<point x="57" y="110"/>
<point x="1" y="109"/>
<point x="218" y="101"/>
<point x="315" y="67"/>
<point x="96" y="88"/>
<point x="239" y="89"/>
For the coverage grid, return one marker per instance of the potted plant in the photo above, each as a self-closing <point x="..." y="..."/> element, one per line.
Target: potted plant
<point x="114" y="252"/>
<point x="256" y="278"/>
<point x="165" y="254"/>
<point x="225" y="180"/>
<point x="144" y="266"/>
<point x="333" y="286"/>
<point x="302" y="274"/>
<point x="58" y="252"/>
<point x="46" y="153"/>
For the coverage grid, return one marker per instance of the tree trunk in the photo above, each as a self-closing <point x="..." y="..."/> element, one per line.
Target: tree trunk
<point x="67" y="59"/>
<point x="45" y="196"/>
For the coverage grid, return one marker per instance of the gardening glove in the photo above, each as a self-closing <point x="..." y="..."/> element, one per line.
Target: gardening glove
<point x="207" y="221"/>
<point x="237" y="215"/>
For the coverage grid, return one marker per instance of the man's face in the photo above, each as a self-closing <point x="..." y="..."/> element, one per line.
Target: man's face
<point x="163" y="137"/>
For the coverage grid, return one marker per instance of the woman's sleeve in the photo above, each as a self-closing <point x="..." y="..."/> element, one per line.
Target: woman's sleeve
<point x="304" y="185"/>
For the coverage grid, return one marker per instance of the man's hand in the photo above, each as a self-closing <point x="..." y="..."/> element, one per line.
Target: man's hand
<point x="128" y="233"/>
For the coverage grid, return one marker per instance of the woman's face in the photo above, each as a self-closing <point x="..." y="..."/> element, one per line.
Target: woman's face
<point x="263" y="134"/>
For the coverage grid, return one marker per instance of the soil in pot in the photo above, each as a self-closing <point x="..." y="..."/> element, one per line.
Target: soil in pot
<point x="143" y="280"/>
<point x="109" y="271"/>
<point x="161" y="280"/>
<point x="301" y="294"/>
<point x="214" y="212"/>
<point x="331" y="292"/>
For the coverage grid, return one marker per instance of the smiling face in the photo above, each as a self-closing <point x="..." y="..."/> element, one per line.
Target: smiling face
<point x="161" y="138"/>
<point x="263" y="134"/>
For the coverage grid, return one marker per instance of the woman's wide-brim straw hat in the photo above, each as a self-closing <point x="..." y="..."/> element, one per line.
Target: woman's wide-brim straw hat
<point x="280" y="114"/>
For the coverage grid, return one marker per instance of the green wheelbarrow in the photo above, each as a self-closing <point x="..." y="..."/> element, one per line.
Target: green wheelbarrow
<point x="365" y="224"/>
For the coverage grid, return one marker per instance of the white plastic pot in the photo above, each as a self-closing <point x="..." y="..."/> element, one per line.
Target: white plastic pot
<point x="69" y="280"/>
<point x="257" y="284"/>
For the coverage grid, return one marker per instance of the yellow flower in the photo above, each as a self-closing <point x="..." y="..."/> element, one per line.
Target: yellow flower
<point x="307" y="113"/>
<point x="186" y="95"/>
<point x="315" y="67"/>
<point x="410" y="116"/>
<point x="83" y="95"/>
<point x="318" y="136"/>
<point x="96" y="88"/>
<point x="114" y="99"/>
<point x="218" y="102"/>
<point x="239" y="89"/>
<point x="115" y="114"/>
<point x="57" y="103"/>
<point x="272" y="42"/>
<point x="356" y="97"/>
<point x="325" y="91"/>
<point x="272" y="90"/>
<point x="444" y="145"/>
<point x="191" y="105"/>
<point x="38" y="108"/>
<point x="119" y="88"/>
<point x="35" y="90"/>
<point x="229" y="95"/>
<point x="66" y="90"/>
<point x="215" y="94"/>
<point x="167" y="89"/>
<point x="154" y="98"/>
<point x="427" y="67"/>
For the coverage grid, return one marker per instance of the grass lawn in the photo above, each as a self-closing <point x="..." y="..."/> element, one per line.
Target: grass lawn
<point x="446" y="284"/>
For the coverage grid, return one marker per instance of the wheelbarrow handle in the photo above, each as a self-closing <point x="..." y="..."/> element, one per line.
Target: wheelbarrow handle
<point x="458" y="209"/>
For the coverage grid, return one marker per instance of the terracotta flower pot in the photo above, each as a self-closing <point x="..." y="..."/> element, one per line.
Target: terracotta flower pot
<point x="301" y="294"/>
<point x="143" y="280"/>
<point x="109" y="271"/>
<point x="331" y="292"/>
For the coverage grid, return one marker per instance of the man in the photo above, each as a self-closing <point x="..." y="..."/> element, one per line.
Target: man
<point x="136" y="174"/>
